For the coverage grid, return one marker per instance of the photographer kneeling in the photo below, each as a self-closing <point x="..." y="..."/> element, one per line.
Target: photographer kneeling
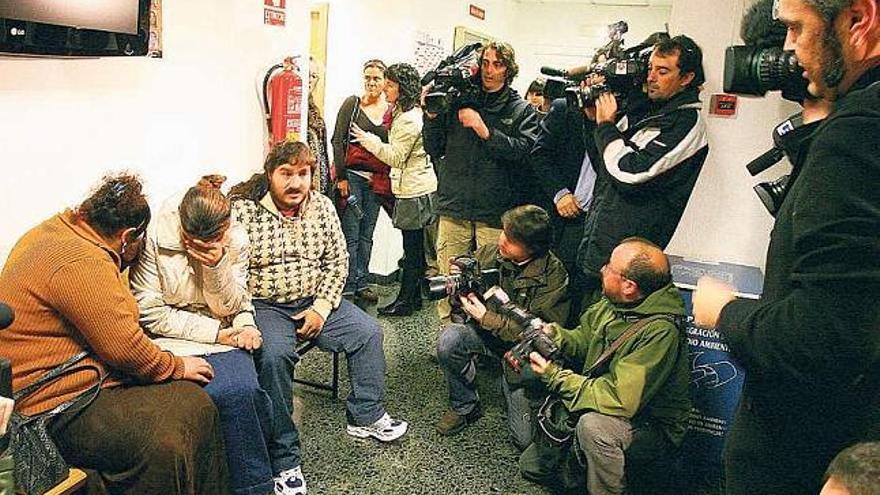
<point x="537" y="282"/>
<point x="631" y="400"/>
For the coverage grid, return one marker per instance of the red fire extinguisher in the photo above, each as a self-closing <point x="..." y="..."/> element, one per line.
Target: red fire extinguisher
<point x="283" y="97"/>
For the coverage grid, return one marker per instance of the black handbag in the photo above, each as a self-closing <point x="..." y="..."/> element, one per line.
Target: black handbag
<point x="39" y="465"/>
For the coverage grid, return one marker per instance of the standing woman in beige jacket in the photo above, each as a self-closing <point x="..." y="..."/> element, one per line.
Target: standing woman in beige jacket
<point x="413" y="181"/>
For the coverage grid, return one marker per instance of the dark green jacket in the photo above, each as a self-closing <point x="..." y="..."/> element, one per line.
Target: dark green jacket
<point x="647" y="376"/>
<point x="540" y="287"/>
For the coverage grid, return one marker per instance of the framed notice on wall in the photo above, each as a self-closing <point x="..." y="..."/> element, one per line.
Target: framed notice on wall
<point x="465" y="36"/>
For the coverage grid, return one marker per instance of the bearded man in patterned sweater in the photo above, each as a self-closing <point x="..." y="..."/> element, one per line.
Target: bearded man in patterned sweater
<point x="297" y="269"/>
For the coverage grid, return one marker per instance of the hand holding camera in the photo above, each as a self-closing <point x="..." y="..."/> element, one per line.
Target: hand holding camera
<point x="533" y="337"/>
<point x="472" y="305"/>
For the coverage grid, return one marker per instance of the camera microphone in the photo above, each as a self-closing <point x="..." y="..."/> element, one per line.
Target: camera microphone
<point x="552" y="71"/>
<point x="760" y="29"/>
<point x="766" y="160"/>
<point x="7" y="316"/>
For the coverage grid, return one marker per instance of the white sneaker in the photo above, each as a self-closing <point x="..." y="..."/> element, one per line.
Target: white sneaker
<point x="385" y="429"/>
<point x="290" y="482"/>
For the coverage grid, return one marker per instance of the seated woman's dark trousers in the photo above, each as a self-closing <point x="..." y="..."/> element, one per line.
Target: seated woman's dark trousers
<point x="148" y="439"/>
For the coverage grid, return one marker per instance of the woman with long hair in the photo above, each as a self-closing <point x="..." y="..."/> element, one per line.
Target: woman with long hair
<point x="191" y="286"/>
<point x="367" y="112"/>
<point x="412" y="179"/>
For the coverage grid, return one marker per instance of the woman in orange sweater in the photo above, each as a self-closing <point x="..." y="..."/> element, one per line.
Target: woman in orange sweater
<point x="150" y="429"/>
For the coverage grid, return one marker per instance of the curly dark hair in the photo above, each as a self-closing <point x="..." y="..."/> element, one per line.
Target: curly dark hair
<point x="505" y="53"/>
<point x="292" y="152"/>
<point x="408" y="78"/>
<point x="118" y="203"/>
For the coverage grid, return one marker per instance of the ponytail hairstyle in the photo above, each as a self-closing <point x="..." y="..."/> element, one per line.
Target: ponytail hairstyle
<point x="204" y="211"/>
<point x="118" y="203"/>
<point x="283" y="153"/>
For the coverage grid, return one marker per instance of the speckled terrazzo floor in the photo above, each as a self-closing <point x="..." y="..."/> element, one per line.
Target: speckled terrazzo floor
<point x="479" y="460"/>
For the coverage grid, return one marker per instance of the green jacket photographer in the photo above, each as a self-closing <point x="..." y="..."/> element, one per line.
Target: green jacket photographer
<point x="648" y="375"/>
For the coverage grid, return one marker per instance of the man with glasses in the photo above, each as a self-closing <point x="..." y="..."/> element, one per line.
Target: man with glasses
<point x="633" y="410"/>
<point x="651" y="157"/>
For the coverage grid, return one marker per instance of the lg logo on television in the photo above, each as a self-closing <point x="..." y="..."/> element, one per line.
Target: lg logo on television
<point x="17" y="31"/>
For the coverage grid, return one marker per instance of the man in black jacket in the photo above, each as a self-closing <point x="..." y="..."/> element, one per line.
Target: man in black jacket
<point x="559" y="160"/>
<point x="478" y="153"/>
<point x="811" y="345"/>
<point x="649" y="160"/>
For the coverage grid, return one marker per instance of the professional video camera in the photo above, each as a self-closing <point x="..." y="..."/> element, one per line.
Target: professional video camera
<point x="532" y="336"/>
<point x="470" y="279"/>
<point x="759" y="66"/>
<point x="456" y="81"/>
<point x="624" y="71"/>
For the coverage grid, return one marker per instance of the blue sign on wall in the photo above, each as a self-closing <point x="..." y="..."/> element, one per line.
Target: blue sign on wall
<point x="716" y="379"/>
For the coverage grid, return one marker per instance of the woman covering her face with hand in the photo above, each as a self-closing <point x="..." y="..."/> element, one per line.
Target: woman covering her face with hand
<point x="191" y="286"/>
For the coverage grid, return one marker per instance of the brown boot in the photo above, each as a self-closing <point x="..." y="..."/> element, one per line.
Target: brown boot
<point x="451" y="422"/>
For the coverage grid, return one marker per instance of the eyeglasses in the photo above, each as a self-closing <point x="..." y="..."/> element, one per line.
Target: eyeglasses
<point x="615" y="271"/>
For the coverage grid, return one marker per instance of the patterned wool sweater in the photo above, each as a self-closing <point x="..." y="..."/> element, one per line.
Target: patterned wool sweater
<point x="298" y="257"/>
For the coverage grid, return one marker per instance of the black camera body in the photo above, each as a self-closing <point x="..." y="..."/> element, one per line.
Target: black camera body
<point x="456" y="82"/>
<point x="624" y="71"/>
<point x="532" y="335"/>
<point x="471" y="279"/>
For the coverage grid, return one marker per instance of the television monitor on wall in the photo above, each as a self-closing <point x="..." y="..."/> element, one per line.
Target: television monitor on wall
<point x="90" y="28"/>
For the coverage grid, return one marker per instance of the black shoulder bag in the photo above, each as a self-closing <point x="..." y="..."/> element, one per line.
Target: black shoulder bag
<point x="556" y="425"/>
<point x="38" y="462"/>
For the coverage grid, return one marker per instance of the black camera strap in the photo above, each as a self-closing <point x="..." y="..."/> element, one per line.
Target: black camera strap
<point x="629" y="332"/>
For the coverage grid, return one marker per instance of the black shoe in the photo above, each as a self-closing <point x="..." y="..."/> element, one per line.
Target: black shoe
<point x="397" y="308"/>
<point x="367" y="294"/>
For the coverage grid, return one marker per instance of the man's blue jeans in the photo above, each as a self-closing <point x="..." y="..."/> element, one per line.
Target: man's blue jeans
<point x="348" y="330"/>
<point x="359" y="233"/>
<point x="457" y="349"/>
<point x="246" y="418"/>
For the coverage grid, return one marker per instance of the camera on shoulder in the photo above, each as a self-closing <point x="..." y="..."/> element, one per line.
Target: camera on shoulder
<point x="624" y="71"/>
<point x="456" y="82"/>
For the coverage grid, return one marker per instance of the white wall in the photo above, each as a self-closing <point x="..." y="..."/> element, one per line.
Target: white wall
<point x="724" y="220"/>
<point x="65" y="123"/>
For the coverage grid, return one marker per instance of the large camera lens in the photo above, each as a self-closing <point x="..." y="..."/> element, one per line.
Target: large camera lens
<point x="436" y="288"/>
<point x="750" y="70"/>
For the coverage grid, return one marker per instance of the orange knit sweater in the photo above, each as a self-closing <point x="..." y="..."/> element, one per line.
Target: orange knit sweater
<point x="64" y="284"/>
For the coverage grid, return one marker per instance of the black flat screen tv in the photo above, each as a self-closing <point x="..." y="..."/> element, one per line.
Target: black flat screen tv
<point x="79" y="28"/>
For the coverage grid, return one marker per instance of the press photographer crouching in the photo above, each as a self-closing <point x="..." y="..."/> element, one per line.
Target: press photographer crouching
<point x="628" y="405"/>
<point x="537" y="282"/>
